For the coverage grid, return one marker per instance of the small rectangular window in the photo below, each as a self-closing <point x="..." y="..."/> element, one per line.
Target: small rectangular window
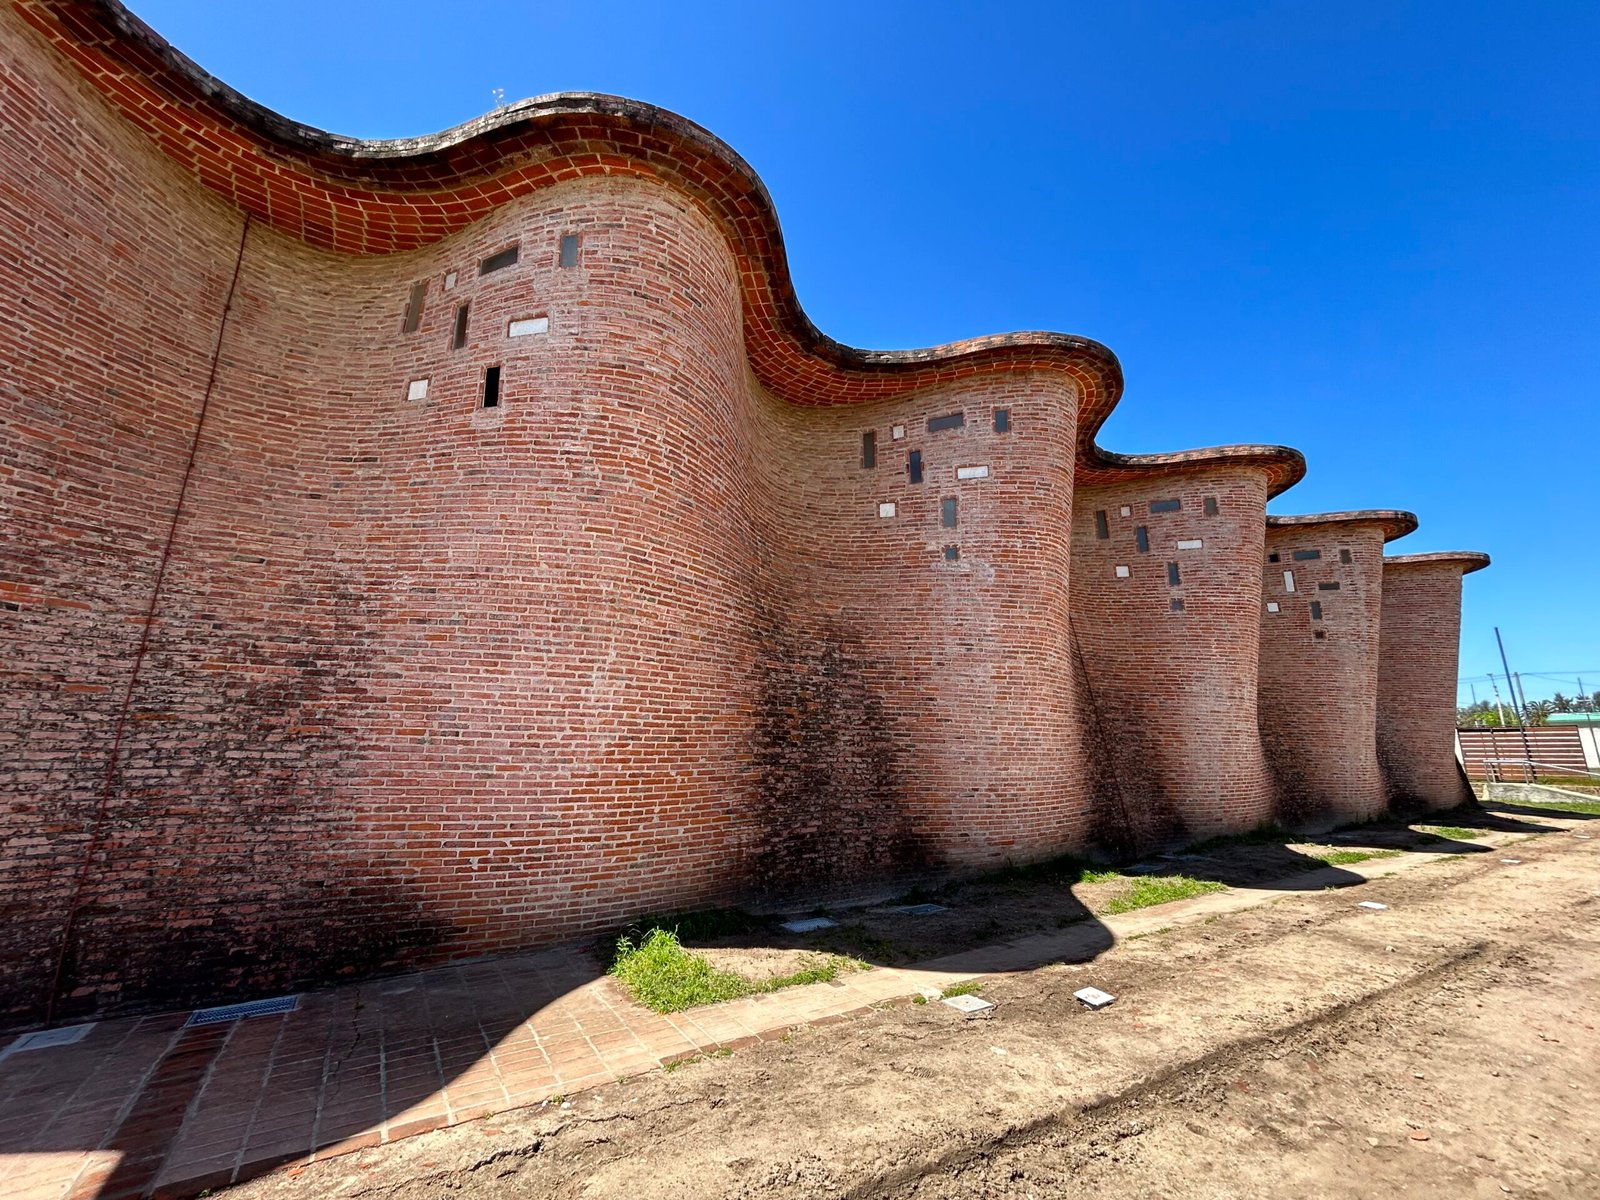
<point x="914" y="466"/>
<point x="1002" y="420"/>
<point x="1327" y="587"/>
<point x="1141" y="538"/>
<point x="897" y="432"/>
<point x="1161" y="506"/>
<point x="1344" y="556"/>
<point x="1274" y="557"/>
<point x="1173" y="578"/>
<point x="417" y="389"/>
<point x="499" y="260"/>
<point x="1101" y="529"/>
<point x="491" y="387"/>
<point x="1288" y="581"/>
<point x="1319" y="634"/>
<point x="949" y="421"/>
<point x="569" y="250"/>
<point x="1316" y="610"/>
<point x="1122" y="572"/>
<point x="1125" y="511"/>
<point x="1191" y="543"/>
<point x="1272" y="606"/>
<point x="1306" y="555"/>
<point x="887" y="508"/>
<point x="869" y="450"/>
<point x="1211" y="506"/>
<point x="419" y="293"/>
<point x="972" y="472"/>
<point x="952" y="553"/>
<point x="458" y="339"/>
<point x="947" y="512"/>
<point x="1177" y="605"/>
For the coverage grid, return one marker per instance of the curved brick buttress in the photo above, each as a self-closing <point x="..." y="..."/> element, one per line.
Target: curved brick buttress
<point x="1319" y="663"/>
<point x="1171" y="666"/>
<point x="1418" y="649"/>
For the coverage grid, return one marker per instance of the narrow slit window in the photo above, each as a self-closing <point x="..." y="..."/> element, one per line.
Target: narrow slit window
<point x="955" y="420"/>
<point x="459" y="338"/>
<point x="1316" y="610"/>
<point x="569" y="250"/>
<point x="499" y="260"/>
<point x="419" y="293"/>
<point x="1327" y="587"/>
<point x="1002" y="420"/>
<point x="1174" y="578"/>
<point x="1288" y="581"/>
<point x="1141" y="538"/>
<point x="1307" y="555"/>
<point x="491" y="387"/>
<point x="1211" y="506"/>
<point x="1101" y="529"/>
<point x="869" y="450"/>
<point x="1161" y="506"/>
<point x="914" y="466"/>
<point x="947" y="512"/>
<point x="1344" y="556"/>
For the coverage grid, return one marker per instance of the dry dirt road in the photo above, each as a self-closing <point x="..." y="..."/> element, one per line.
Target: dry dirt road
<point x="1446" y="1047"/>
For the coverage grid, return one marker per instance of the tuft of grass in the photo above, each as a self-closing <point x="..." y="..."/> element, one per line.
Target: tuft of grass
<point x="1160" y="889"/>
<point x="919" y="999"/>
<point x="1453" y="832"/>
<point x="1092" y="876"/>
<point x="701" y="925"/>
<point x="1591" y="807"/>
<point x="664" y="977"/>
<point x="1344" y="858"/>
<point x="970" y="988"/>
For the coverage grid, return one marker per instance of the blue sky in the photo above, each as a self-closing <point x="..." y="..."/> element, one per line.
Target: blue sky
<point x="1369" y="232"/>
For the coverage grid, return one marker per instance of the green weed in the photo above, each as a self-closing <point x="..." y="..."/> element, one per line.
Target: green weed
<point x="1160" y="889"/>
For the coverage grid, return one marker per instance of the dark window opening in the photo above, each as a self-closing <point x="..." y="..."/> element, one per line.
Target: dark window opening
<point x="419" y="293"/>
<point x="1173" y="578"/>
<point x="1141" y="538"/>
<point x="1177" y="606"/>
<point x="1160" y="506"/>
<point x="1274" y="557"/>
<point x="1316" y="610"/>
<point x="1306" y="555"/>
<point x="1002" y="420"/>
<point x="499" y="260"/>
<point x="952" y="554"/>
<point x="869" y="449"/>
<point x="459" y="339"/>
<point x="949" y="421"/>
<point x="914" y="466"/>
<point x="1101" y="529"/>
<point x="1328" y="587"/>
<point x="569" y="250"/>
<point x="491" y="387"/>
<point x="1319" y="634"/>
<point x="1211" y="506"/>
<point x="1344" y="556"/>
<point x="947" y="512"/>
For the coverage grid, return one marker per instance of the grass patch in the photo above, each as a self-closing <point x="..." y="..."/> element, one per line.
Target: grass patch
<point x="1160" y="889"/>
<point x="664" y="977"/>
<point x="1590" y="807"/>
<point x="1454" y="832"/>
<point x="1090" y="876"/>
<point x="970" y="988"/>
<point x="1345" y="858"/>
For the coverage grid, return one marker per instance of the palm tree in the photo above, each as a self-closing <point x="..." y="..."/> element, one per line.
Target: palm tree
<point x="1560" y="704"/>
<point x="1536" y="712"/>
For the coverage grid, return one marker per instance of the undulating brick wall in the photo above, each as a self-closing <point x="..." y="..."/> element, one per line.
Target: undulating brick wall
<point x="1166" y="594"/>
<point x="1322" y="586"/>
<point x="316" y="665"/>
<point x="1420" y="632"/>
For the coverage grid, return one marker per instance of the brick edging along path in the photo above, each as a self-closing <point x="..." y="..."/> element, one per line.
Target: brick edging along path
<point x="145" y="1106"/>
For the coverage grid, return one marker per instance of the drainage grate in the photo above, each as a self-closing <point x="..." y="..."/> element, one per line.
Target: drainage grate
<point x="235" y="1012"/>
<point x="920" y="910"/>
<point x="45" y="1038"/>
<point x="808" y="924"/>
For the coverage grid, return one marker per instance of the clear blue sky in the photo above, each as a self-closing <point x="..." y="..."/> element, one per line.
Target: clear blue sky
<point x="1370" y="232"/>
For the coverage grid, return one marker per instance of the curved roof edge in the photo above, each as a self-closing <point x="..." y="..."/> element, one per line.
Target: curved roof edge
<point x="1396" y="522"/>
<point x="1469" y="560"/>
<point x="380" y="196"/>
<point x="1284" y="465"/>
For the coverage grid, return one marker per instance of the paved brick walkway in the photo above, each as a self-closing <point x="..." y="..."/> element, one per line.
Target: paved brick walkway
<point x="146" y="1106"/>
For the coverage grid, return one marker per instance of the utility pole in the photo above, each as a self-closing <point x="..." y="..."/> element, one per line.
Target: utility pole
<point x="1527" y="748"/>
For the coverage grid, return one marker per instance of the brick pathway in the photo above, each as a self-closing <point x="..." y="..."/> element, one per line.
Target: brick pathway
<point x="146" y="1106"/>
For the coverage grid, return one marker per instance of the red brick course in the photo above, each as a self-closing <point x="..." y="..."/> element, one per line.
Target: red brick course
<point x="424" y="680"/>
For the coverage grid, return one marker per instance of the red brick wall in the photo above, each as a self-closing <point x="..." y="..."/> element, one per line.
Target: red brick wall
<point x="1319" y="694"/>
<point x="1175" y="691"/>
<point x="1421" y="630"/>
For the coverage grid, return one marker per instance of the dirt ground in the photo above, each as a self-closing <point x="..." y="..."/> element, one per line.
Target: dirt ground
<point x="1444" y="1047"/>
